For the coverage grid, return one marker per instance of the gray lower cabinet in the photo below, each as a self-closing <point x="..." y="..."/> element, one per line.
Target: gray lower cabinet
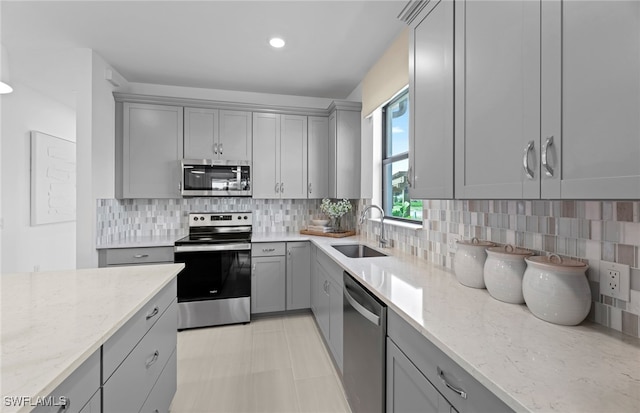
<point x="76" y="391"/>
<point x="408" y="390"/>
<point x="137" y="361"/>
<point x="268" y="277"/>
<point x="298" y="275"/>
<point x="415" y="352"/>
<point x="134" y="256"/>
<point x="328" y="304"/>
<point x="94" y="405"/>
<point x="149" y="144"/>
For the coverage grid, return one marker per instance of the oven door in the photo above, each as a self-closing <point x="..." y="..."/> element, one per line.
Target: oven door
<point x="213" y="271"/>
<point x="215" y="178"/>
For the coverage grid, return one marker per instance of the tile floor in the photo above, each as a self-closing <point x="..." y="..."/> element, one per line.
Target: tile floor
<point x="275" y="364"/>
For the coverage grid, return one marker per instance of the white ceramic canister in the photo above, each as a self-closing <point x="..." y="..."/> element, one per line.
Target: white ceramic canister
<point x="503" y="272"/>
<point x="557" y="290"/>
<point x="468" y="263"/>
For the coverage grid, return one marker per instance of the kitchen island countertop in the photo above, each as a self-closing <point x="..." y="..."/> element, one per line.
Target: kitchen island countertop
<point x="53" y="321"/>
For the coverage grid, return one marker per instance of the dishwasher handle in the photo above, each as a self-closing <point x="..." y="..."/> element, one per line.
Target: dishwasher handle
<point x="374" y="319"/>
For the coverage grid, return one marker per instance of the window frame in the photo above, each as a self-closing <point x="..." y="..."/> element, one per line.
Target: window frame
<point x="385" y="161"/>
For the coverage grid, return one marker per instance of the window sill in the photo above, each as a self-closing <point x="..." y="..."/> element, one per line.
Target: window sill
<point x="399" y="224"/>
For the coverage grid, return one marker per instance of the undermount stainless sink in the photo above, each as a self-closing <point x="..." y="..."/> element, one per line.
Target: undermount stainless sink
<point x="358" y="251"/>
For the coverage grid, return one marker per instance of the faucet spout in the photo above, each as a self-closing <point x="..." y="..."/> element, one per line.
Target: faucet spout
<point x="363" y="215"/>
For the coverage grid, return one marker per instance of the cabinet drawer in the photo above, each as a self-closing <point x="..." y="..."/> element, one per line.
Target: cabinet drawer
<point x="125" y="339"/>
<point x="77" y="389"/>
<point x="131" y="256"/>
<point x="267" y="249"/>
<point x="129" y="386"/>
<point x="430" y="361"/>
<point x="161" y="396"/>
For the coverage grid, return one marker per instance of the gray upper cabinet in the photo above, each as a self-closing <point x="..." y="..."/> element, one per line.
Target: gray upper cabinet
<point x="431" y="102"/>
<point x="497" y="99"/>
<point x="280" y="156"/>
<point x="344" y="149"/>
<point x="318" y="157"/>
<point x="217" y="134"/>
<point x="148" y="147"/>
<point x="590" y="100"/>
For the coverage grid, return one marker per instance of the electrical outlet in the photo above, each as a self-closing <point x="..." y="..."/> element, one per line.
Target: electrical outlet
<point x="451" y="241"/>
<point x="614" y="280"/>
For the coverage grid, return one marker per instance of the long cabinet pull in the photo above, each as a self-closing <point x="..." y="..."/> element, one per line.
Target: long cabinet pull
<point x="141" y="256"/>
<point x="215" y="148"/>
<point x="548" y="170"/>
<point x="220" y="149"/>
<point x="277" y="187"/>
<point x="460" y="392"/>
<point x="154" y="313"/>
<point x="525" y="160"/>
<point x="309" y="187"/>
<point x="282" y="187"/>
<point x="268" y="249"/>
<point x="153" y="360"/>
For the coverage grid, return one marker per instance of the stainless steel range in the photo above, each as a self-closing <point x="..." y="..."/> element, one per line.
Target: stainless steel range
<point x="215" y="286"/>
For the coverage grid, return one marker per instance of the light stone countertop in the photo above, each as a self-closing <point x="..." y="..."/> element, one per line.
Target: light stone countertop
<point x="528" y="363"/>
<point x="53" y="321"/>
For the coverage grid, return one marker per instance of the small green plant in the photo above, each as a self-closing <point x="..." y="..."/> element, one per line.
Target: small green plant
<point x="335" y="209"/>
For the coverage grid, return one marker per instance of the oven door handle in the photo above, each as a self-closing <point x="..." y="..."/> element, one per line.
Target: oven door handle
<point x="211" y="247"/>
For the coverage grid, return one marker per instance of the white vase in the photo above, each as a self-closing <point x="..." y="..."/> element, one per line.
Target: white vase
<point x="503" y="272"/>
<point x="468" y="263"/>
<point x="557" y="290"/>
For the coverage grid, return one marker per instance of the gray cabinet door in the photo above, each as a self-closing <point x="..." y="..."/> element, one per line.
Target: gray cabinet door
<point x="151" y="150"/>
<point x="234" y="136"/>
<point x="314" y="279"/>
<point x="344" y="154"/>
<point x="407" y="389"/>
<point x="318" y="157"/>
<point x="497" y="99"/>
<point x="431" y="103"/>
<point x="266" y="156"/>
<point x="335" y="321"/>
<point x="590" y="99"/>
<point x="268" y="284"/>
<point x="293" y="157"/>
<point x="298" y="275"/>
<point x="200" y="133"/>
<point x="322" y="301"/>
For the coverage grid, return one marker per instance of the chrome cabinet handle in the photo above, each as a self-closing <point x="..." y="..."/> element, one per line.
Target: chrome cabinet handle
<point x="289" y="251"/>
<point x="460" y="392"/>
<point x="154" y="313"/>
<point x="277" y="188"/>
<point x="548" y="170"/>
<point x="253" y="270"/>
<point x="268" y="249"/>
<point x="220" y="149"/>
<point x="282" y="187"/>
<point x="153" y="360"/>
<point x="409" y="176"/>
<point x="141" y="256"/>
<point x="215" y="148"/>
<point x="179" y="186"/>
<point x="525" y="160"/>
<point x="309" y="187"/>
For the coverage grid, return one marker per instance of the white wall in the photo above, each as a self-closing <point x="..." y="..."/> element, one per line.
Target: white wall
<point x="95" y="149"/>
<point x="26" y="247"/>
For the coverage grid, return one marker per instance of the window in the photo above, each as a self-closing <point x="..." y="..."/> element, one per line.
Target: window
<point x="395" y="162"/>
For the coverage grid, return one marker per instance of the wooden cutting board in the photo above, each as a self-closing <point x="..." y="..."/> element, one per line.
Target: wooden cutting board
<point x="328" y="234"/>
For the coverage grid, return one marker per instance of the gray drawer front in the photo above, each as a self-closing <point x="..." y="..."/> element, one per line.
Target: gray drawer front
<point x="125" y="339"/>
<point x="128" y="388"/>
<point x="161" y="396"/>
<point x="119" y="256"/>
<point x="78" y="388"/>
<point x="267" y="249"/>
<point x="428" y="358"/>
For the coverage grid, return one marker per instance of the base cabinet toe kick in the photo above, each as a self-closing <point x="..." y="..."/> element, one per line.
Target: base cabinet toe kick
<point x="133" y="371"/>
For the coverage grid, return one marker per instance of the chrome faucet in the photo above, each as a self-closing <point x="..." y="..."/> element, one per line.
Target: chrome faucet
<point x="383" y="240"/>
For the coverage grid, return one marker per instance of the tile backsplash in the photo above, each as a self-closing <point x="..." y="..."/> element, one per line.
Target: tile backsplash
<point x="136" y="218"/>
<point x="589" y="231"/>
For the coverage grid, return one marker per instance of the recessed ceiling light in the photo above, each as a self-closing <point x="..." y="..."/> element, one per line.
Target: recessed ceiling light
<point x="276" y="42"/>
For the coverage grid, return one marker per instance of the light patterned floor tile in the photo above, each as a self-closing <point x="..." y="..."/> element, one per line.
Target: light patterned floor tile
<point x="321" y="394"/>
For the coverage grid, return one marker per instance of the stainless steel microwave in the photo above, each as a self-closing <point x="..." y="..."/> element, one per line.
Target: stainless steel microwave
<point x="206" y="177"/>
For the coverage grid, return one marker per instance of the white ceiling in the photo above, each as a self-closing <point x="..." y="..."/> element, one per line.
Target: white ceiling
<point x="216" y="44"/>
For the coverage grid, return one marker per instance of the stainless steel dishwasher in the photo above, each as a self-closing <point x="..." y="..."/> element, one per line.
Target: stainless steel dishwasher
<point x="365" y="329"/>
